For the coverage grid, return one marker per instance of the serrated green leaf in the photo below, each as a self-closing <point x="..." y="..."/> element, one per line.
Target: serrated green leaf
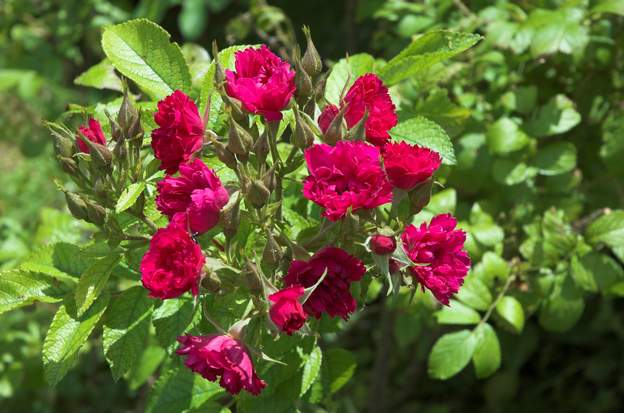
<point x="557" y="116"/>
<point x="129" y="196"/>
<point x="344" y="73"/>
<point x="425" y="51"/>
<point x="341" y="365"/>
<point x="172" y="319"/>
<point x="487" y="353"/>
<point x="145" y="366"/>
<point x="557" y="31"/>
<point x="451" y="353"/>
<point x="595" y="271"/>
<point x="141" y="51"/>
<point x="555" y="159"/>
<point x="126" y="329"/>
<point x="609" y="229"/>
<point x="100" y="76"/>
<point x="505" y="136"/>
<point x="422" y="131"/>
<point x="93" y="281"/>
<point x="19" y="288"/>
<point x="511" y="312"/>
<point x="67" y="335"/>
<point x="609" y="6"/>
<point x="457" y="313"/>
<point x="311" y="369"/>
<point x="180" y="389"/>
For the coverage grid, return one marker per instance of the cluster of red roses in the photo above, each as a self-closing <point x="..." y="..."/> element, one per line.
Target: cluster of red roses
<point x="345" y="176"/>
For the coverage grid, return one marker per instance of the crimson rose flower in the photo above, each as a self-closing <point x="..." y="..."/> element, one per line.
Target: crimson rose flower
<point x="286" y="311"/>
<point x="332" y="295"/>
<point x="173" y="263"/>
<point x="180" y="132"/>
<point x="197" y="193"/>
<point x="263" y="82"/>
<point x="368" y="93"/>
<point x="440" y="246"/>
<point x="382" y="244"/>
<point x="345" y="176"/>
<point x="215" y="355"/>
<point x="327" y="115"/>
<point x="409" y="165"/>
<point x="93" y="132"/>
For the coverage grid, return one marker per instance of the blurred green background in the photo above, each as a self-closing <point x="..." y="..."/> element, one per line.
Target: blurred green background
<point x="549" y="68"/>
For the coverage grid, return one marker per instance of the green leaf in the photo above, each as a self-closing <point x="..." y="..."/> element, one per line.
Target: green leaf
<point x="180" y="389"/>
<point x="129" y="196"/>
<point x="564" y="307"/>
<point x="609" y="6"/>
<point x="595" y="271"/>
<point x="556" y="159"/>
<point x="443" y="202"/>
<point x="422" y="131"/>
<point x="66" y="336"/>
<point x="19" y="288"/>
<point x="145" y="366"/>
<point x="341" y="365"/>
<point x="508" y="172"/>
<point x="172" y="319"/>
<point x="344" y="73"/>
<point x="93" y="281"/>
<point x="557" y="116"/>
<point x="487" y="353"/>
<point x="126" y="329"/>
<point x="100" y="76"/>
<point x="608" y="229"/>
<point x="511" y="312"/>
<point x="557" y="31"/>
<point x="475" y="293"/>
<point x="425" y="51"/>
<point x="504" y="136"/>
<point x="451" y="353"/>
<point x="141" y="51"/>
<point x="192" y="19"/>
<point x="457" y="313"/>
<point x="311" y="369"/>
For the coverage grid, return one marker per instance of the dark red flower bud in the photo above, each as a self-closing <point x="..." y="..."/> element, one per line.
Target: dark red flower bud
<point x="382" y="244"/>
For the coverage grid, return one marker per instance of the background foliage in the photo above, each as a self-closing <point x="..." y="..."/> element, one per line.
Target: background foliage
<point x="535" y="116"/>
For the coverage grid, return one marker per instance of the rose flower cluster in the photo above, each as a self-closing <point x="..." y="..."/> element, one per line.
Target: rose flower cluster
<point x="354" y="168"/>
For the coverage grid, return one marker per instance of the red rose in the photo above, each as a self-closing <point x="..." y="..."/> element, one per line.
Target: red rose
<point x="332" y="295"/>
<point x="93" y="132"/>
<point x="173" y="263"/>
<point x="263" y="82"/>
<point x="180" y="132"/>
<point x="213" y="356"/>
<point x="327" y="115"/>
<point x="286" y="311"/>
<point x="368" y="93"/>
<point x="393" y="266"/>
<point x="345" y="176"/>
<point x="197" y="193"/>
<point x="382" y="244"/>
<point x="409" y="165"/>
<point x="440" y="246"/>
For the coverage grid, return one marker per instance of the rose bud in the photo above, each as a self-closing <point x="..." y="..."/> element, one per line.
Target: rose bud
<point x="239" y="140"/>
<point x="286" y="311"/>
<point x="331" y="123"/>
<point x="76" y="205"/>
<point x="393" y="266"/>
<point x="221" y="355"/>
<point x="382" y="244"/>
<point x="311" y="60"/>
<point x="257" y="193"/>
<point x="93" y="133"/>
<point x="302" y="79"/>
<point x="225" y="155"/>
<point x="303" y="136"/>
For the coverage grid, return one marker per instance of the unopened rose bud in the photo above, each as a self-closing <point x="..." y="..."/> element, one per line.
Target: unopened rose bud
<point x="336" y="129"/>
<point x="225" y="155"/>
<point x="101" y="156"/>
<point x="63" y="146"/>
<point x="303" y="136"/>
<point x="211" y="282"/>
<point x="76" y="205"/>
<point x="311" y="60"/>
<point x="303" y="82"/>
<point x="272" y="252"/>
<point x="257" y="193"/>
<point x="358" y="132"/>
<point x="239" y="140"/>
<point x="235" y="109"/>
<point x="269" y="179"/>
<point x="382" y="244"/>
<point x="261" y="147"/>
<point x="99" y="188"/>
<point x="419" y="196"/>
<point x="96" y="214"/>
<point x="68" y="165"/>
<point x="219" y="75"/>
<point x="120" y="151"/>
<point x="393" y="266"/>
<point x="229" y="216"/>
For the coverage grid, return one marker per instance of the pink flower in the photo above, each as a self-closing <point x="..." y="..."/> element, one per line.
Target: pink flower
<point x="345" y="176"/>
<point x="197" y="193"/>
<point x="286" y="311"/>
<point x="409" y="165"/>
<point x="382" y="244"/>
<point x="263" y="82"/>
<point x="214" y="355"/>
<point x="173" y="263"/>
<point x="180" y="132"/>
<point x="368" y="93"/>
<point x="327" y="115"/>
<point x="93" y="132"/>
<point x="440" y="246"/>
<point x="332" y="295"/>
